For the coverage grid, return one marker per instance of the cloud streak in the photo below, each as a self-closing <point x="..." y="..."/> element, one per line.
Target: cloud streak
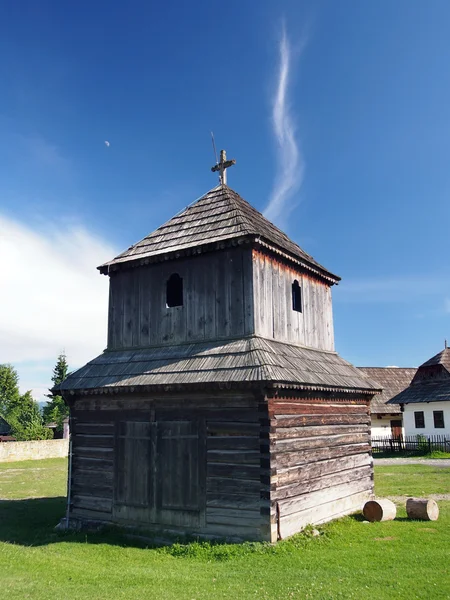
<point x="290" y="163"/>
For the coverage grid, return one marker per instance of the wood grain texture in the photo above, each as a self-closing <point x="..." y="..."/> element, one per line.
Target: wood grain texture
<point x="189" y="463"/>
<point x="320" y="462"/>
<point x="218" y="301"/>
<point x="273" y="312"/>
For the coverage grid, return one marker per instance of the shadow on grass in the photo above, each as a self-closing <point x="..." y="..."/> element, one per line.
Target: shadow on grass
<point x="361" y="518"/>
<point x="32" y="522"/>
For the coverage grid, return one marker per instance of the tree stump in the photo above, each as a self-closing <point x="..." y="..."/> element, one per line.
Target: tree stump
<point x="379" y="510"/>
<point x="422" y="509"/>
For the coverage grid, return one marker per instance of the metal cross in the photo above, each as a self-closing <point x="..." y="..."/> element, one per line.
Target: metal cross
<point x="222" y="165"/>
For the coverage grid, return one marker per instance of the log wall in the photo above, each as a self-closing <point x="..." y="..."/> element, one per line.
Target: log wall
<point x="223" y="489"/>
<point x="217" y="301"/>
<point x="274" y="314"/>
<point x="321" y="464"/>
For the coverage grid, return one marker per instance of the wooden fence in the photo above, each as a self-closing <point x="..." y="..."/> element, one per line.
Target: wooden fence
<point x="413" y="444"/>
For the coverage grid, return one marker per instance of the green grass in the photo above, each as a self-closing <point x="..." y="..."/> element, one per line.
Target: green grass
<point x="411" y="480"/>
<point x="438" y="454"/>
<point x="351" y="559"/>
<point x="33" y="478"/>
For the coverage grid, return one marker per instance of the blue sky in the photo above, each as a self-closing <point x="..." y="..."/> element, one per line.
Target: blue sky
<point x="365" y="110"/>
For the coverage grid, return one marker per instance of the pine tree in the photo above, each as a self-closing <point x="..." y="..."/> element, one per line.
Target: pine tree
<point x="56" y="410"/>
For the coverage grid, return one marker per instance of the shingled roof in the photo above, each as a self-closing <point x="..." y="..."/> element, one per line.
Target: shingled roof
<point x="442" y="358"/>
<point x="431" y="382"/>
<point x="252" y="360"/>
<point x="393" y="380"/>
<point x="218" y="216"/>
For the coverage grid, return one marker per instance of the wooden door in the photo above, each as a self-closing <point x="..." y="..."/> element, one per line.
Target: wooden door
<point x="160" y="473"/>
<point x="134" y="468"/>
<point x="180" y="473"/>
<point x="396" y="428"/>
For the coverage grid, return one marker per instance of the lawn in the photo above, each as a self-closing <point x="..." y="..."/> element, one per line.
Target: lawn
<point x="351" y="559"/>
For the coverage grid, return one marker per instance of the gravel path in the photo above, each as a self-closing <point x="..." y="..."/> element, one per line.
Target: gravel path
<point x="403" y="499"/>
<point x="433" y="462"/>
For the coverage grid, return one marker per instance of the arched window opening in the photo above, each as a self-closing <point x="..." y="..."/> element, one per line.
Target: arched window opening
<point x="296" y="296"/>
<point x="174" y="291"/>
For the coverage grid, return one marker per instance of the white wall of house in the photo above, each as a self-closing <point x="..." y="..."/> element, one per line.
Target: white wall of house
<point x="427" y="408"/>
<point x="382" y="427"/>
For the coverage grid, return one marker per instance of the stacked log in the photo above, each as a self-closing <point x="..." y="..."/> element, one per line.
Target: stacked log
<point x="379" y="510"/>
<point x="422" y="509"/>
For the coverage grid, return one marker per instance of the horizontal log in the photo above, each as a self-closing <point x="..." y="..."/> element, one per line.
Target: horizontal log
<point x="93" y="503"/>
<point x="91" y="477"/>
<point x="104" y="490"/>
<point x="323" y="482"/>
<point x="237" y="501"/>
<point x="231" y="428"/>
<point x="101" y="453"/>
<point x="232" y="415"/>
<point x="250" y="472"/>
<point x="92" y="441"/>
<point x="305" y="501"/>
<point x="281" y="421"/>
<point x="95" y="464"/>
<point x="291" y="459"/>
<point x="231" y="518"/>
<point x="234" y="486"/>
<point x="296" y="433"/>
<point x="295" y="522"/>
<point x="233" y="443"/>
<point x="319" y="442"/>
<point x="247" y="457"/>
<point x="319" y="469"/>
<point x="93" y="428"/>
<point x="282" y="408"/>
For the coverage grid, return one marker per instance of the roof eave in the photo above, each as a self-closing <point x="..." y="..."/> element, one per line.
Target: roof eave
<point x="229" y="385"/>
<point x="136" y="261"/>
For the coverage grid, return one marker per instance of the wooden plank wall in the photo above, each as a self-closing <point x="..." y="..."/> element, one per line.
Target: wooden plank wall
<point x="236" y="487"/>
<point x="321" y="463"/>
<point x="274" y="315"/>
<point x="218" y="301"/>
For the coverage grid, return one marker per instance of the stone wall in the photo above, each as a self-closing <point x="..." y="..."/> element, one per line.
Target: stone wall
<point x="14" y="451"/>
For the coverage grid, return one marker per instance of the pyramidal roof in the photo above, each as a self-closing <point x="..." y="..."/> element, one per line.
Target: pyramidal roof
<point x="219" y="215"/>
<point x="442" y="358"/>
<point x="428" y="385"/>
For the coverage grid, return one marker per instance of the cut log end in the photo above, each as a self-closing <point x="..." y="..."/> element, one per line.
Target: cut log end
<point x="379" y="510"/>
<point x="422" y="509"/>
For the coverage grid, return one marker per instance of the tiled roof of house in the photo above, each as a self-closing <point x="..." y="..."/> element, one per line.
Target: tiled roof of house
<point x="393" y="380"/>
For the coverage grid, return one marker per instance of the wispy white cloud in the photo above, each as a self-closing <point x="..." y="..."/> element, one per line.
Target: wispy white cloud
<point x="290" y="163"/>
<point x="52" y="296"/>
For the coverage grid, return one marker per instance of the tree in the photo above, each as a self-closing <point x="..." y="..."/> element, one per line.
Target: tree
<point x="56" y="410"/>
<point x="25" y="419"/>
<point x="9" y="388"/>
